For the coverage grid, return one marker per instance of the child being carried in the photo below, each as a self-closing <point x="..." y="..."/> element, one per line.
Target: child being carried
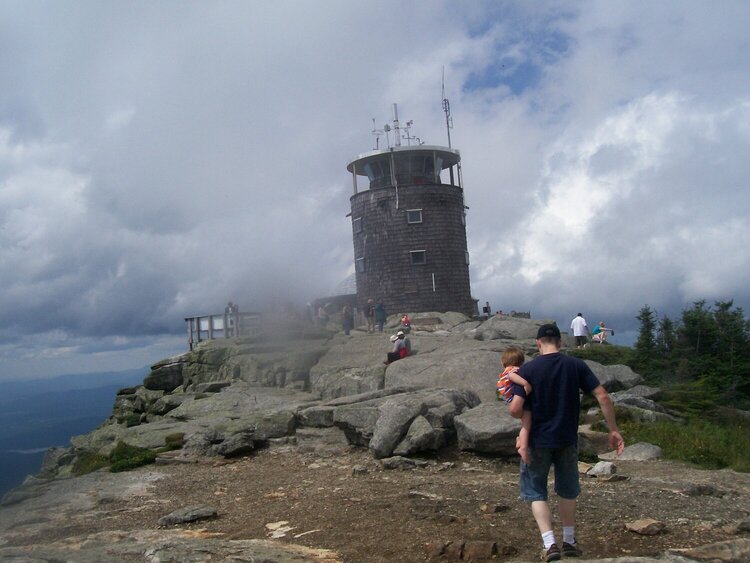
<point x="512" y="359"/>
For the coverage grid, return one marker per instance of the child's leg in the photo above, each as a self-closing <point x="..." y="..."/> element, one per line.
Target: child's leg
<point x="522" y="442"/>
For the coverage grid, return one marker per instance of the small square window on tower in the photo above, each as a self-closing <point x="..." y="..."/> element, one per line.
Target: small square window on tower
<point x="418" y="257"/>
<point x="357" y="225"/>
<point x="359" y="265"/>
<point x="413" y="216"/>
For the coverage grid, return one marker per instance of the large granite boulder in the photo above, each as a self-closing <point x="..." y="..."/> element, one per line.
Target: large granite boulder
<point x="166" y="375"/>
<point x="616" y="377"/>
<point x="641" y="391"/>
<point x="397" y="414"/>
<point x="488" y="428"/>
<point x="281" y="358"/>
<point x="504" y="327"/>
<point x="455" y="363"/>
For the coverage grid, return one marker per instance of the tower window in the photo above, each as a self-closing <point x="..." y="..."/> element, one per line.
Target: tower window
<point x="357" y="225"/>
<point x="413" y="216"/>
<point x="418" y="257"/>
<point x="359" y="265"/>
<point x="467" y="257"/>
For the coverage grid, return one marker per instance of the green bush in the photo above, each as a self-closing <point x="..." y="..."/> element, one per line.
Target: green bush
<point x="125" y="457"/>
<point x="605" y="354"/>
<point x="709" y="444"/>
<point x="132" y="419"/>
<point x="88" y="462"/>
<point x="174" y="441"/>
<point x="622" y="416"/>
<point x="692" y="399"/>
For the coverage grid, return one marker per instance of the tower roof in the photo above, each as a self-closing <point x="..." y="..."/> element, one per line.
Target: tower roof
<point x="448" y="157"/>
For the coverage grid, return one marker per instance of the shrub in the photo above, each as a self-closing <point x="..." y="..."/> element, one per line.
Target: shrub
<point x="622" y="416"/>
<point x="605" y="354"/>
<point x="174" y="441"/>
<point x="708" y="444"/>
<point x="125" y="457"/>
<point x="692" y="399"/>
<point x="132" y="419"/>
<point x="87" y="462"/>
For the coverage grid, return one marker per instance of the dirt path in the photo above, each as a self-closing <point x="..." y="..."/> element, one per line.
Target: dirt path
<point x="377" y="515"/>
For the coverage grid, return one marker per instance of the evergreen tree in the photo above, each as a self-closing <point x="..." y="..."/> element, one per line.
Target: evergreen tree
<point x="666" y="337"/>
<point x="645" y="346"/>
<point x="697" y="332"/>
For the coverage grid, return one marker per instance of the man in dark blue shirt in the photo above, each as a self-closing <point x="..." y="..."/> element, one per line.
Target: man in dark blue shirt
<point x="556" y="380"/>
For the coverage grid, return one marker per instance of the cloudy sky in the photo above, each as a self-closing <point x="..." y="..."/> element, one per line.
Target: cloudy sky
<point x="160" y="158"/>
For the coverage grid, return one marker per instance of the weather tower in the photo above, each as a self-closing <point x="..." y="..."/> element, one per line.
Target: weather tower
<point x="409" y="225"/>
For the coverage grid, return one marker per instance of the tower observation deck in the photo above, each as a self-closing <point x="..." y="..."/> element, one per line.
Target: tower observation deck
<point x="409" y="229"/>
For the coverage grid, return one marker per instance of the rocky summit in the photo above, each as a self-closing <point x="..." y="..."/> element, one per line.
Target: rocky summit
<point x="290" y="384"/>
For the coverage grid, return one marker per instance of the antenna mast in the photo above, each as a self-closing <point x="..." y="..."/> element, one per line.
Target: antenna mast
<point x="447" y="110"/>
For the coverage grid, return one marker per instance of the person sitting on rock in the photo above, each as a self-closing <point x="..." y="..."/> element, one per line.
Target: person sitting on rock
<point x="405" y="323"/>
<point x="399" y="349"/>
<point x="402" y="336"/>
<point x="599" y="334"/>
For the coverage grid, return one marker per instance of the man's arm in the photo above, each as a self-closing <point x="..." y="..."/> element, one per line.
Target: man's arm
<point x="608" y="410"/>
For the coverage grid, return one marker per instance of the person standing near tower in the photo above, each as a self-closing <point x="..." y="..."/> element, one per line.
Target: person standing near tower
<point x="557" y="380"/>
<point x="380" y="315"/>
<point x="370" y="315"/>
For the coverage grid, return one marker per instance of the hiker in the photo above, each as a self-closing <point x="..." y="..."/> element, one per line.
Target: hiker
<point x="599" y="334"/>
<point x="398" y="351"/>
<point x="580" y="330"/>
<point x="380" y="315"/>
<point x="370" y="315"/>
<point x="405" y="323"/>
<point x="347" y="319"/>
<point x="555" y="404"/>
<point x="231" y="316"/>
<point x="401" y="335"/>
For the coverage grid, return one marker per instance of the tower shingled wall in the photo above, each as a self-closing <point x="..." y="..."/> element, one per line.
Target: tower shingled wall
<point x="385" y="240"/>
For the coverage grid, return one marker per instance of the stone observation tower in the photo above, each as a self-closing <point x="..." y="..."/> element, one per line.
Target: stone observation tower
<point x="409" y="225"/>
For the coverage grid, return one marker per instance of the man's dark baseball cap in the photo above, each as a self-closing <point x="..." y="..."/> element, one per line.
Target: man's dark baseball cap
<point x="548" y="331"/>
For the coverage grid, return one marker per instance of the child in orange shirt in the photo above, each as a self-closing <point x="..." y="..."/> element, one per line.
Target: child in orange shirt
<point x="512" y="359"/>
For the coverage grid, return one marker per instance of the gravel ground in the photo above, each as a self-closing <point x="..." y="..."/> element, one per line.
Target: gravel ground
<point x="345" y="501"/>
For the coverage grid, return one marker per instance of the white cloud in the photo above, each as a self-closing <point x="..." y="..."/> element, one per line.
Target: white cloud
<point x="156" y="162"/>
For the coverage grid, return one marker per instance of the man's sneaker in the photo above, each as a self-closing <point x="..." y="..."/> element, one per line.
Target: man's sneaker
<point x="571" y="550"/>
<point x="551" y="554"/>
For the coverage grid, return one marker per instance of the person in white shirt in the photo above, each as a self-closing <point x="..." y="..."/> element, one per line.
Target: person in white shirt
<point x="580" y="330"/>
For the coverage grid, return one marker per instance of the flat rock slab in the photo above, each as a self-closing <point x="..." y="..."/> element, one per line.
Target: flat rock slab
<point x="164" y="545"/>
<point x="188" y="514"/>
<point x="642" y="451"/>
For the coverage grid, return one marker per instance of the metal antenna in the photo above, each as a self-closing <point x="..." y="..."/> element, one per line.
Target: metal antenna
<point x="447" y="110"/>
<point x="396" y="126"/>
<point x="377" y="132"/>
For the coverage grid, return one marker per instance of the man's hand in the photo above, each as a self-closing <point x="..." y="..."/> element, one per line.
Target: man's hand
<point x="616" y="442"/>
<point x="525" y="455"/>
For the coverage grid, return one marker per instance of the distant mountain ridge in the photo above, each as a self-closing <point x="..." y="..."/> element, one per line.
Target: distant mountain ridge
<point x="74" y="381"/>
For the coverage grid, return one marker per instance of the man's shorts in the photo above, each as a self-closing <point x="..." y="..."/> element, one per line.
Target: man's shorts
<point x="533" y="481"/>
<point x="580" y="340"/>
